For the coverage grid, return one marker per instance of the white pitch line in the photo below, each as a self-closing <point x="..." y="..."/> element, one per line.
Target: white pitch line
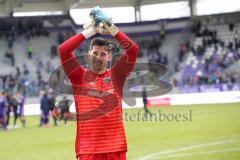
<point x="199" y="153"/>
<point x="167" y="152"/>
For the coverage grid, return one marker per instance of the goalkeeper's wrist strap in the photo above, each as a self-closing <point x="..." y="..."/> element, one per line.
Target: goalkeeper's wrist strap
<point x="113" y="30"/>
<point x="88" y="33"/>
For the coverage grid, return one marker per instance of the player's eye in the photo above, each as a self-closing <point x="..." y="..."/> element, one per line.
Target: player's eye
<point x="95" y="53"/>
<point x="103" y="54"/>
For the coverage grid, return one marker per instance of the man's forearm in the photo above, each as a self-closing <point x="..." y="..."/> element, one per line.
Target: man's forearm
<point x="67" y="47"/>
<point x="68" y="60"/>
<point x="128" y="45"/>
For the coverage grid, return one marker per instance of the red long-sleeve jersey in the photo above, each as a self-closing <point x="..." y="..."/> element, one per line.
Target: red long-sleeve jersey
<point x="102" y="131"/>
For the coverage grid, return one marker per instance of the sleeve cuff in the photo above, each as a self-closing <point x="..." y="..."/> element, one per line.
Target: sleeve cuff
<point x="113" y="30"/>
<point x="88" y="33"/>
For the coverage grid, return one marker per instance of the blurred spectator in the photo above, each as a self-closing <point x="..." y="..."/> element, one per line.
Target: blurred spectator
<point x="231" y="27"/>
<point x="49" y="66"/>
<point x="3" y="110"/>
<point x="18" y="71"/>
<point x="60" y="38"/>
<point x="144" y="97"/>
<point x="45" y="106"/>
<point x="53" y="51"/>
<point x="9" y="54"/>
<point x="181" y="52"/>
<point x="53" y="109"/>
<point x="20" y="111"/>
<point x="64" y="106"/>
<point x="162" y="29"/>
<point x="13" y="105"/>
<point x="29" y="51"/>
<point x="25" y="69"/>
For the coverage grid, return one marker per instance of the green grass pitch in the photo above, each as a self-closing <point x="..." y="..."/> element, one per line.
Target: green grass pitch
<point x="212" y="134"/>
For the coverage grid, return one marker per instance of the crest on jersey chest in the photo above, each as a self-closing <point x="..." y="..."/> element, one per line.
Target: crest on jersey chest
<point x="107" y="80"/>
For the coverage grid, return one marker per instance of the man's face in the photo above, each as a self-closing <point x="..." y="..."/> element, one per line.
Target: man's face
<point x="99" y="56"/>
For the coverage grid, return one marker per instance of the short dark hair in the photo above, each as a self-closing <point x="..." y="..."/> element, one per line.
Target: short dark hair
<point x="99" y="41"/>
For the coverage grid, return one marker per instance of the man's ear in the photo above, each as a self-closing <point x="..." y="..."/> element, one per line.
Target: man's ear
<point x="109" y="56"/>
<point x="88" y="54"/>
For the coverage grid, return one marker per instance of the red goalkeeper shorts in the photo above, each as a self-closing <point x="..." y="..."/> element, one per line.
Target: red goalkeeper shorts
<point x="103" y="156"/>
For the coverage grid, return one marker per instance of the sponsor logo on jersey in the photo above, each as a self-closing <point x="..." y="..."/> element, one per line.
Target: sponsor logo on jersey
<point x="91" y="83"/>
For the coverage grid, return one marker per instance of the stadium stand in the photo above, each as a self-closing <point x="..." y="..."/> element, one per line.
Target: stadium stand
<point x="214" y="50"/>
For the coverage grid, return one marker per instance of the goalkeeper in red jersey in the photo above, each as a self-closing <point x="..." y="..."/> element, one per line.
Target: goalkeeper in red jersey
<point x="98" y="91"/>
